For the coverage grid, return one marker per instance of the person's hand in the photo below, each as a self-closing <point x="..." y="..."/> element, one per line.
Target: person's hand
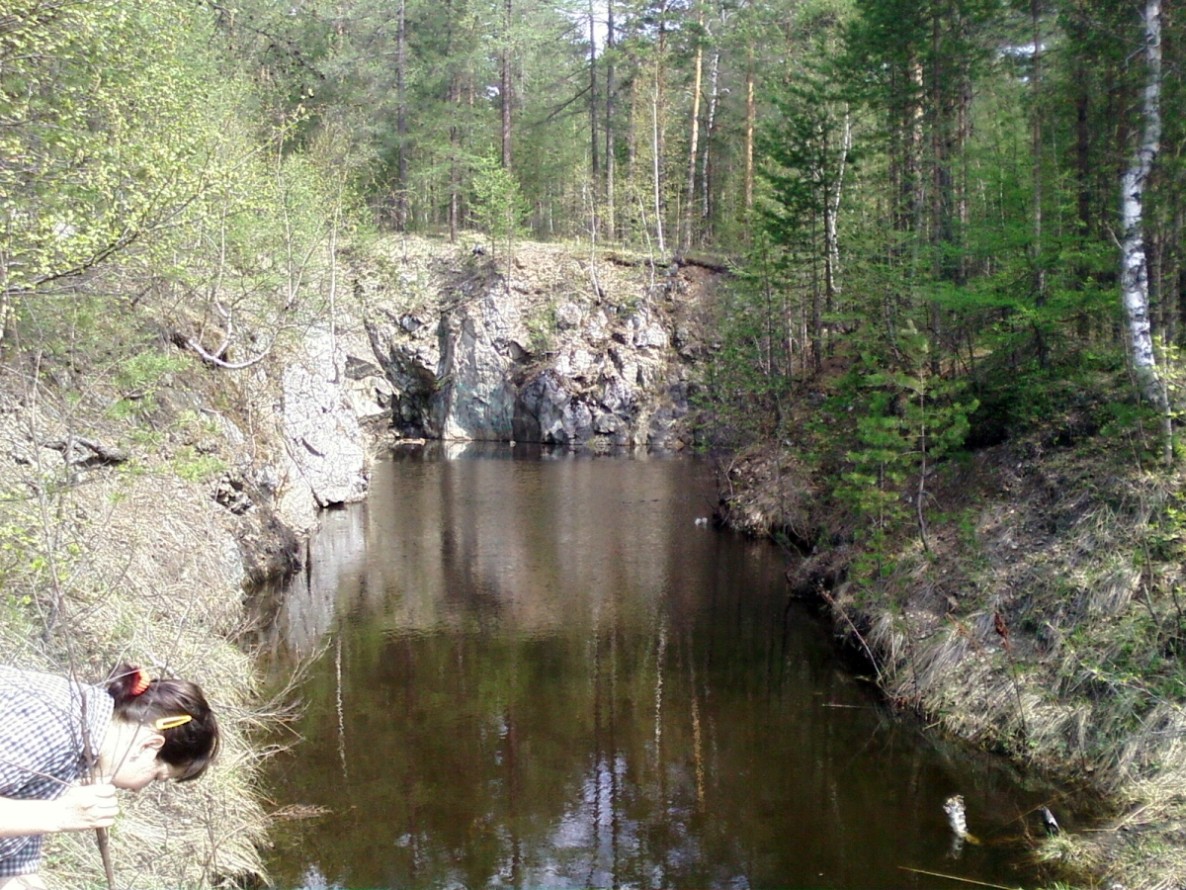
<point x="82" y="807"/>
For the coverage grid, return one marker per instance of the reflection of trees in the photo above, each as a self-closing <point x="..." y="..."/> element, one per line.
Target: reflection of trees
<point x="535" y="717"/>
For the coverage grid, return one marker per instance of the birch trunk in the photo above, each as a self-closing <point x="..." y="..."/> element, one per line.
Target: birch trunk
<point x="1134" y="273"/>
<point x="751" y="116"/>
<point x="610" y="222"/>
<point x="693" y="141"/>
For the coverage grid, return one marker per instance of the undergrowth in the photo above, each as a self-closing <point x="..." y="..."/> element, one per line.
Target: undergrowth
<point x="1037" y="606"/>
<point x="102" y="563"/>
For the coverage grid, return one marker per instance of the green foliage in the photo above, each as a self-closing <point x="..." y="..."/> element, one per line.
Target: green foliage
<point x="99" y="103"/>
<point x="138" y="377"/>
<point x="908" y="417"/>
<point x="18" y="548"/>
<point x="872" y="487"/>
<point x="748" y="380"/>
<point x="144" y="168"/>
<point x="193" y="466"/>
<point x="498" y="205"/>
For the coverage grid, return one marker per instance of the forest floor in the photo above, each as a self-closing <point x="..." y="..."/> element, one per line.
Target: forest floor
<point x="1035" y="609"/>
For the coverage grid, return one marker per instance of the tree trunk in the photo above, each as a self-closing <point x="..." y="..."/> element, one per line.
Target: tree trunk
<point x="610" y="222"/>
<point x="693" y="139"/>
<point x="657" y="166"/>
<point x="706" y="170"/>
<point x="506" y="85"/>
<point x="751" y="116"/>
<point x="1134" y="273"/>
<point x="401" y="117"/>
<point x="831" y="205"/>
<point x="594" y="149"/>
<point x="454" y="103"/>
<point x="1036" y="257"/>
<point x="658" y="129"/>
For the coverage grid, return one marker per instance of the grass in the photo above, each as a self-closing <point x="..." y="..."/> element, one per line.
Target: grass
<point x="100" y="566"/>
<point x="1075" y="546"/>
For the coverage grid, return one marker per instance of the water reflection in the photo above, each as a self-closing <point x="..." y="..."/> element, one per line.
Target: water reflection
<point x="545" y="673"/>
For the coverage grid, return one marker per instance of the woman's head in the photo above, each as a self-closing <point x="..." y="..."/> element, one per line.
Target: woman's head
<point x="163" y="706"/>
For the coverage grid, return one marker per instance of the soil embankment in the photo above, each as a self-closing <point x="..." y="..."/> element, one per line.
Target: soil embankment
<point x="1037" y="615"/>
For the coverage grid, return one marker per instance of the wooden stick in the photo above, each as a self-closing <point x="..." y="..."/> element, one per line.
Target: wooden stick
<point x="100" y="833"/>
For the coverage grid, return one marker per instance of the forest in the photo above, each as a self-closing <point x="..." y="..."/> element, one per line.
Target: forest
<point x="945" y="223"/>
<point x="959" y="193"/>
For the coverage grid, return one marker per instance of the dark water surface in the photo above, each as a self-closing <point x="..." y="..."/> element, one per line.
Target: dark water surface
<point x="543" y="672"/>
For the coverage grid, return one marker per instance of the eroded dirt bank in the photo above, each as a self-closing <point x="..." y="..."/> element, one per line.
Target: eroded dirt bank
<point x="1041" y="618"/>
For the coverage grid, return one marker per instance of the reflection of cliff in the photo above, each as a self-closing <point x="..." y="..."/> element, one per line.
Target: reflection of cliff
<point x="508" y="540"/>
<point x="336" y="556"/>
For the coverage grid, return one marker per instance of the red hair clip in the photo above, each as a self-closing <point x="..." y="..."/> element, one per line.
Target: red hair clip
<point x="140" y="684"/>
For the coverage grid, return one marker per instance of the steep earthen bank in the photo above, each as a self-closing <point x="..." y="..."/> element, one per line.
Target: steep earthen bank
<point x="1022" y="624"/>
<point x="141" y="502"/>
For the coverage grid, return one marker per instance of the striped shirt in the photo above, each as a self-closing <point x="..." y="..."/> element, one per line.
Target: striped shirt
<point x="42" y="748"/>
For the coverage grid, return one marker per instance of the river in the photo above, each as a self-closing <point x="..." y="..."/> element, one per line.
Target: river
<point x="542" y="671"/>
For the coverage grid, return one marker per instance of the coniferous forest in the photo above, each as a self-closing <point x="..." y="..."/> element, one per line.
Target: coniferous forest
<point x="945" y="222"/>
<point x="984" y="190"/>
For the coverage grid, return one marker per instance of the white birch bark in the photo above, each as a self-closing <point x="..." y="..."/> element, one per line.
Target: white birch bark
<point x="1134" y="276"/>
<point x="693" y="142"/>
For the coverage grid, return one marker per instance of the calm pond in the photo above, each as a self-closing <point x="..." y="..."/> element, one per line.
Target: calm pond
<point x="542" y="672"/>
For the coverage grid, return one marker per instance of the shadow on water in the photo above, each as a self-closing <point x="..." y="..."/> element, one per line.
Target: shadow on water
<point x="541" y="671"/>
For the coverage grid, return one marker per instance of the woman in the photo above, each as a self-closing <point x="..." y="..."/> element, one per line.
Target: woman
<point x="66" y="746"/>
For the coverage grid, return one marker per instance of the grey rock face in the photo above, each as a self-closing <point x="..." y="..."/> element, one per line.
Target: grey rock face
<point x="480" y="349"/>
<point x="323" y="438"/>
<point x="521" y="363"/>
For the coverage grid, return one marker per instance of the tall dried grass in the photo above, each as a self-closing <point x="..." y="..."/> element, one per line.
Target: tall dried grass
<point x="114" y="564"/>
<point x="1076" y="564"/>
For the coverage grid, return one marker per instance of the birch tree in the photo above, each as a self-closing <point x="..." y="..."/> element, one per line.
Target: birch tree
<point x="1134" y="274"/>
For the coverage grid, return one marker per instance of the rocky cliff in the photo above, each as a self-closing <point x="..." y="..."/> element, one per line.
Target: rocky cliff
<point x="547" y="347"/>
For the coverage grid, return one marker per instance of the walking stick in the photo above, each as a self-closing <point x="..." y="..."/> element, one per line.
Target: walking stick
<point x="100" y="833"/>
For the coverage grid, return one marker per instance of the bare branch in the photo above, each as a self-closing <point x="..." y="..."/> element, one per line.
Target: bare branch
<point x="210" y="359"/>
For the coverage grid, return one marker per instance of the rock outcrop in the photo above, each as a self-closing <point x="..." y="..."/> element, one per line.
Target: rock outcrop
<point x="565" y="356"/>
<point x="321" y="431"/>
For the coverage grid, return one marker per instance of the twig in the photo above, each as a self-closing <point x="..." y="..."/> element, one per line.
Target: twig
<point x="827" y="597"/>
<point x="939" y="874"/>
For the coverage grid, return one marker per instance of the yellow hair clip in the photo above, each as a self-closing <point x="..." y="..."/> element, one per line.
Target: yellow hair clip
<point x="163" y="723"/>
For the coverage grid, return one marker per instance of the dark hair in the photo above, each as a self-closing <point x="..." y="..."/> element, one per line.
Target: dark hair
<point x="191" y="746"/>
